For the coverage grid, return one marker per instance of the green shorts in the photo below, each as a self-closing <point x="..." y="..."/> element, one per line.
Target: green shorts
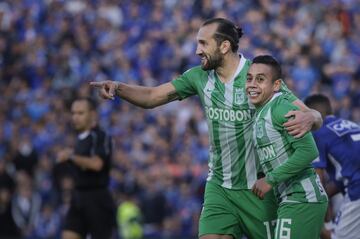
<point x="237" y="213"/>
<point x="300" y="220"/>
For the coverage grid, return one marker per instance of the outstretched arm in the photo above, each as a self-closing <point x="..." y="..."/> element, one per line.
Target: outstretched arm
<point x="303" y="121"/>
<point x="145" y="97"/>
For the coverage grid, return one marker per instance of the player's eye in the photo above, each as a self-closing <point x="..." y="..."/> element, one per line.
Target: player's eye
<point x="201" y="42"/>
<point x="260" y="79"/>
<point x="248" y="78"/>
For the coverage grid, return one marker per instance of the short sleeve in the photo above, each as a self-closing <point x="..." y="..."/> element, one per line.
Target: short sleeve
<point x="281" y="108"/>
<point x="278" y="113"/>
<point x="285" y="90"/>
<point x="184" y="85"/>
<point x="103" y="147"/>
<point x="321" y="162"/>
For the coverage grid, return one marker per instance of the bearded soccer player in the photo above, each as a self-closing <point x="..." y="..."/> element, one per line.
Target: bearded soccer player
<point x="230" y="209"/>
<point x="285" y="160"/>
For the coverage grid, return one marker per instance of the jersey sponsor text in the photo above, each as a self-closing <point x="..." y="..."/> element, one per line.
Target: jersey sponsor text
<point x="266" y="153"/>
<point x="228" y="114"/>
<point x="341" y="127"/>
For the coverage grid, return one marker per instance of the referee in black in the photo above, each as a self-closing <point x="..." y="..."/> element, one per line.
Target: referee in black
<point x="92" y="209"/>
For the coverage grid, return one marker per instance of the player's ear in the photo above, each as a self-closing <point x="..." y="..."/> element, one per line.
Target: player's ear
<point x="225" y="46"/>
<point x="277" y="84"/>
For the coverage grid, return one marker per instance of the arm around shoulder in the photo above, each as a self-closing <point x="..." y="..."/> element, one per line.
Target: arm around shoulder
<point x="317" y="120"/>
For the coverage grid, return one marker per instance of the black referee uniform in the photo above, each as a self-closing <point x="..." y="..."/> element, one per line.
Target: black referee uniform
<point x="92" y="209"/>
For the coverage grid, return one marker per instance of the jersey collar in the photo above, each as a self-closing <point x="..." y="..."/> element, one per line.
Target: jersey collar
<point x="83" y="135"/>
<point x="239" y="68"/>
<point x="237" y="72"/>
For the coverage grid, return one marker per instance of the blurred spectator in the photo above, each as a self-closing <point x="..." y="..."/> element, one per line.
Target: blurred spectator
<point x="26" y="204"/>
<point x="153" y="207"/>
<point x="304" y="76"/>
<point x="47" y="224"/>
<point x="129" y="217"/>
<point x="8" y="227"/>
<point x="43" y="180"/>
<point x="26" y="157"/>
<point x="6" y="181"/>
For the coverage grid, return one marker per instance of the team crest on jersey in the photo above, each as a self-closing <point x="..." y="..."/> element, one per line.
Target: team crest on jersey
<point x="259" y="131"/>
<point x="239" y="96"/>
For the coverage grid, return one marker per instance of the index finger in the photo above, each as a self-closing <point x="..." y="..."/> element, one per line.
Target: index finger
<point x="96" y="84"/>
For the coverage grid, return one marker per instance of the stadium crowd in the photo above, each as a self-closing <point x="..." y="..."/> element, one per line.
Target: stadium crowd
<point x="51" y="49"/>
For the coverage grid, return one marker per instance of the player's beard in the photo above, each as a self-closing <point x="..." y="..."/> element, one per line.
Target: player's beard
<point x="213" y="61"/>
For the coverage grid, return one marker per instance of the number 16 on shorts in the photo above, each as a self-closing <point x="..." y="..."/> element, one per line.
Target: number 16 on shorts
<point x="282" y="230"/>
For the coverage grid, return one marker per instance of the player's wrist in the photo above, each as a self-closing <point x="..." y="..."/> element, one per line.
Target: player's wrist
<point x="117" y="89"/>
<point x="269" y="178"/>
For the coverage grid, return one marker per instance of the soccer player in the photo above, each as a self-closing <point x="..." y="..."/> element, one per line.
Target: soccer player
<point x="230" y="209"/>
<point x="285" y="160"/>
<point x="92" y="210"/>
<point x="338" y="141"/>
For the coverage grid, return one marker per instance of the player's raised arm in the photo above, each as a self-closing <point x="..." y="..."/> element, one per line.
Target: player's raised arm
<point x="145" y="97"/>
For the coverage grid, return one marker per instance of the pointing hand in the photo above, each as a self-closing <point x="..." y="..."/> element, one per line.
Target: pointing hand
<point x="107" y="88"/>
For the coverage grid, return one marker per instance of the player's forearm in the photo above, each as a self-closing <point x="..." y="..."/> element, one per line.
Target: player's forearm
<point x="139" y="95"/>
<point x="331" y="189"/>
<point x="305" y="152"/>
<point x="90" y="163"/>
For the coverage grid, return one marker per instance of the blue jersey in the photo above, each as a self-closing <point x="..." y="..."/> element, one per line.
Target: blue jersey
<point x="338" y="141"/>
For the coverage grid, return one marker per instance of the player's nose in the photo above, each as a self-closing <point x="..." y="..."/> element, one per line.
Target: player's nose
<point x="199" y="51"/>
<point x="249" y="84"/>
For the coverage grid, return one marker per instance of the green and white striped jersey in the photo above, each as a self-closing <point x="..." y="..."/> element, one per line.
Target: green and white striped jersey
<point x="285" y="160"/>
<point x="230" y="116"/>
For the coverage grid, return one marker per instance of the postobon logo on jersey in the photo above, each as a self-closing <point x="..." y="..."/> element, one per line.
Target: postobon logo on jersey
<point x="227" y="114"/>
<point x="266" y="153"/>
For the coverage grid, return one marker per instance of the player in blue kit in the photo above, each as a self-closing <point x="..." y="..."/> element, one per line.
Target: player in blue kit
<point x="338" y="141"/>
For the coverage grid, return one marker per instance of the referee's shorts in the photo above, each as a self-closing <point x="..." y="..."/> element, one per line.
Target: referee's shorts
<point x="91" y="212"/>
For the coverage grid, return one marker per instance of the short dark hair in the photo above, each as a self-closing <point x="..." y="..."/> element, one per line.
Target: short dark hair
<point x="226" y="30"/>
<point x="90" y="101"/>
<point x="320" y="103"/>
<point x="270" y="61"/>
